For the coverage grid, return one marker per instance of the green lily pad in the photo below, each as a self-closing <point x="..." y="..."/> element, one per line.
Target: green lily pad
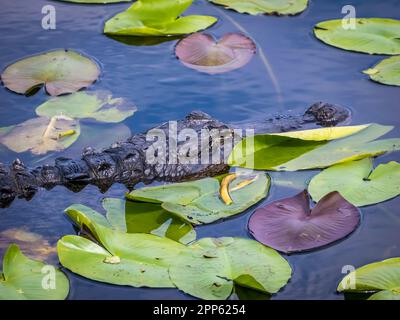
<point x="211" y="268"/>
<point x="148" y="260"/>
<point x="61" y="72"/>
<point x="285" y="152"/>
<point x="25" y="279"/>
<point x="200" y="202"/>
<point x="157" y="18"/>
<point x="41" y="135"/>
<point x="131" y="217"/>
<point x="371" y="35"/>
<point x="141" y="217"/>
<point x="357" y="183"/>
<point x="99" y="105"/>
<point x="381" y="277"/>
<point x="387" y="71"/>
<point x="254" y="7"/>
<point x="136" y="260"/>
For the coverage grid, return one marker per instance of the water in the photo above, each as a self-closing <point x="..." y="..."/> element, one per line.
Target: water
<point x="306" y="71"/>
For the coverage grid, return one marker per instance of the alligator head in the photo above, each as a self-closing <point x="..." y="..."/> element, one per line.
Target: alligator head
<point x="327" y="115"/>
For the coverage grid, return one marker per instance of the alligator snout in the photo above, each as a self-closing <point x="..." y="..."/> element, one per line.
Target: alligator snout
<point x="327" y="115"/>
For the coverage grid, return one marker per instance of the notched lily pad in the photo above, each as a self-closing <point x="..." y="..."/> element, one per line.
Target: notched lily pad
<point x="157" y="18"/>
<point x="381" y="277"/>
<point x="310" y="149"/>
<point x="358" y="182"/>
<point x="41" y="135"/>
<point x="254" y="7"/>
<point x="147" y="260"/>
<point x="289" y="225"/>
<point x="200" y="201"/>
<point x="386" y="72"/>
<point x="98" y="105"/>
<point x="61" y="72"/>
<point x="26" y="279"/>
<point x="370" y="35"/>
<point x="135" y="217"/>
<point x="233" y="261"/>
<point x="201" y="52"/>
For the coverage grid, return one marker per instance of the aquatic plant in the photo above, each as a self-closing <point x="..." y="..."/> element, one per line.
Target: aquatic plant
<point x="289" y="225"/>
<point x="25" y="279"/>
<point x="201" y="52"/>
<point x="255" y="7"/>
<point x="157" y="18"/>
<point x="59" y="71"/>
<point x="357" y="182"/>
<point x="300" y="151"/>
<point x="200" y="201"/>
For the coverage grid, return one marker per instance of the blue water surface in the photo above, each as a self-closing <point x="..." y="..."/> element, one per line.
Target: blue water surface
<point x="305" y="69"/>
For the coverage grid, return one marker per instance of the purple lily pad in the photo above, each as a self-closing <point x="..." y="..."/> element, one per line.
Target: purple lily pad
<point x="289" y="225"/>
<point x="201" y="52"/>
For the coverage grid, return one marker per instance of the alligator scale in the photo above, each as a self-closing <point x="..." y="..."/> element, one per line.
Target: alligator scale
<point x="125" y="162"/>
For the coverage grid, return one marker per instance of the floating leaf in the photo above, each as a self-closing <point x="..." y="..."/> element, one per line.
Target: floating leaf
<point x="61" y="71"/>
<point x="157" y="18"/>
<point x="282" y="152"/>
<point x="199" y="201"/>
<point x="201" y="52"/>
<point x="148" y="260"/>
<point x="358" y="183"/>
<point x="370" y="35"/>
<point x="25" y="279"/>
<point x="41" y="135"/>
<point x="34" y="245"/>
<point x="211" y="268"/>
<point x="130" y="217"/>
<point x="142" y="259"/>
<point x="387" y="71"/>
<point x="289" y="225"/>
<point x="99" y="105"/>
<point x="280" y="7"/>
<point x="381" y="277"/>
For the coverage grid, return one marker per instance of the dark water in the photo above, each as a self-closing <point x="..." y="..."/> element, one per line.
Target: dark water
<point x="306" y="71"/>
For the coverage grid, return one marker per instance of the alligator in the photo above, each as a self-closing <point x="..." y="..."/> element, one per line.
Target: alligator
<point x="126" y="162"/>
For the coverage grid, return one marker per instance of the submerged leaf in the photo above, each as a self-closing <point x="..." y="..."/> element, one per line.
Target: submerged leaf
<point x="286" y="152"/>
<point x="387" y="71"/>
<point x="99" y="105"/>
<point x="254" y="7"/>
<point x="289" y="225"/>
<point x="199" y="201"/>
<point x="61" y="71"/>
<point x="382" y="277"/>
<point x="157" y="18"/>
<point x="211" y="268"/>
<point x="141" y="217"/>
<point x="25" y="279"/>
<point x="202" y="53"/>
<point x="370" y="35"/>
<point x="358" y="183"/>
<point x="41" y="135"/>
